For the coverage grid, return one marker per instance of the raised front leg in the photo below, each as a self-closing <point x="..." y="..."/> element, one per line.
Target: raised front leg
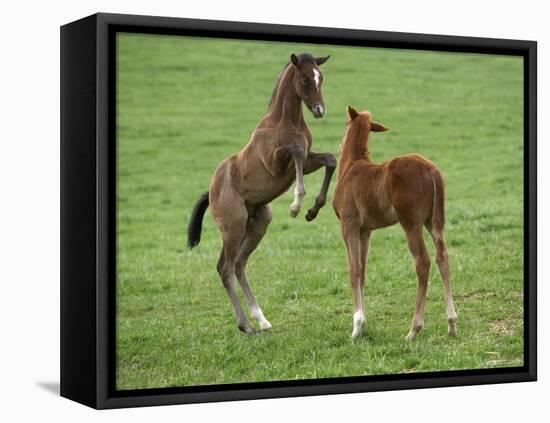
<point x="314" y="162"/>
<point x="298" y="155"/>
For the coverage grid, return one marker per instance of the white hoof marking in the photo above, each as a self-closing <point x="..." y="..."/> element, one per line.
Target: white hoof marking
<point x="265" y="325"/>
<point x="259" y="316"/>
<point x="358" y="322"/>
<point x="297" y="203"/>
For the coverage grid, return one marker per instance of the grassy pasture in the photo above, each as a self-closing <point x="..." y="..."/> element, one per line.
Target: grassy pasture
<point x="184" y="104"/>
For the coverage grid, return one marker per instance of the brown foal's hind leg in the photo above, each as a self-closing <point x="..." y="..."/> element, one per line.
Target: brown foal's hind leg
<point x="231" y="215"/>
<point x="442" y="260"/>
<point x="422" y="266"/>
<point x="351" y="234"/>
<point x="314" y="162"/>
<point x="226" y="270"/>
<point x="255" y="230"/>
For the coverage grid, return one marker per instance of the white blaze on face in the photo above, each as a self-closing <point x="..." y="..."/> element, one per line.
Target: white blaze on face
<point x="316" y="77"/>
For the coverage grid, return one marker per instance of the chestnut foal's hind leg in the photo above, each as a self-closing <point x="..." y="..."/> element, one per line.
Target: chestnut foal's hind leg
<point x="442" y="260"/>
<point x="256" y="227"/>
<point x="422" y="266"/>
<point x="364" y="255"/>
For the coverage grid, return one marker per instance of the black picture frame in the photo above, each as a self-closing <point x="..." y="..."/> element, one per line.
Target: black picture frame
<point x="88" y="209"/>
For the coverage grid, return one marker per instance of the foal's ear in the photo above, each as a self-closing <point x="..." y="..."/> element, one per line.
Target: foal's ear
<point x="378" y="127"/>
<point x="352" y="113"/>
<point x="294" y="59"/>
<point x="321" y="60"/>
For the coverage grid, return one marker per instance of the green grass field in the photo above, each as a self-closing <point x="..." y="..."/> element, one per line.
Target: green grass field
<point x="185" y="104"/>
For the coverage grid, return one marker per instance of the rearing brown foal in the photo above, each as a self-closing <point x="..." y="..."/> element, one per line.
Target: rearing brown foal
<point x="407" y="189"/>
<point x="243" y="185"/>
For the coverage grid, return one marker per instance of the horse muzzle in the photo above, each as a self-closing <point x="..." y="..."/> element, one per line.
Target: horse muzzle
<point x="318" y="111"/>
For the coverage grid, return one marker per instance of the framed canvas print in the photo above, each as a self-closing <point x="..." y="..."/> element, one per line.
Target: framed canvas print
<point x="257" y="211"/>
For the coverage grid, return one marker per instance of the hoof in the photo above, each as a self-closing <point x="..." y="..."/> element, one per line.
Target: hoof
<point x="358" y="322"/>
<point x="411" y="336"/>
<point x="452" y="327"/>
<point x="265" y="325"/>
<point x="414" y="331"/>
<point x="311" y="214"/>
<point x="294" y="212"/>
<point x="452" y="330"/>
<point x="249" y="330"/>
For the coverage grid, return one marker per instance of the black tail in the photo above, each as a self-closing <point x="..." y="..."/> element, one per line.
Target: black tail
<point x="195" y="223"/>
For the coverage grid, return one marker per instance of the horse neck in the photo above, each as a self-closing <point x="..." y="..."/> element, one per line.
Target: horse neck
<point x="286" y="104"/>
<point x="354" y="148"/>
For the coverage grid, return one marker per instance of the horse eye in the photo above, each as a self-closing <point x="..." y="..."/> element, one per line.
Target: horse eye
<point x="305" y="80"/>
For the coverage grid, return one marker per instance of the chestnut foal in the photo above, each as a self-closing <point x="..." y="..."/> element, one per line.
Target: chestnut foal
<point x="408" y="189"/>
<point x="243" y="185"/>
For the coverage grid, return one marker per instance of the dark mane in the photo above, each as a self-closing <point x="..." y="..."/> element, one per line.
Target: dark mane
<point x="274" y="94"/>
